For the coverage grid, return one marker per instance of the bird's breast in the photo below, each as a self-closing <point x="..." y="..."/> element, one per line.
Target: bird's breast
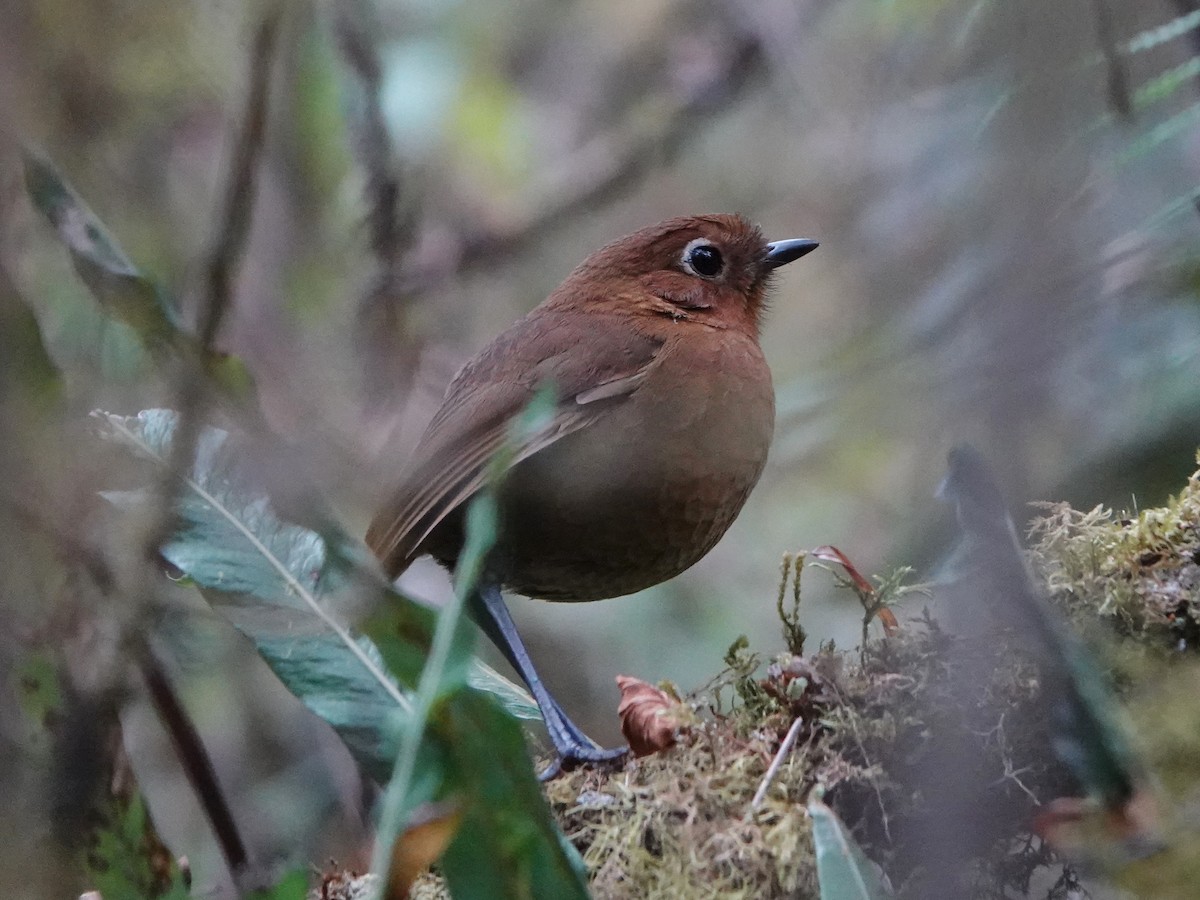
<point x="648" y="488"/>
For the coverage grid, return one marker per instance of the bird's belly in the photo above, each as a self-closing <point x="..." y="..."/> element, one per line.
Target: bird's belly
<point x="634" y="499"/>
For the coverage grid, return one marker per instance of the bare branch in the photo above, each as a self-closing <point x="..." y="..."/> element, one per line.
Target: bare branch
<point x="383" y="327"/>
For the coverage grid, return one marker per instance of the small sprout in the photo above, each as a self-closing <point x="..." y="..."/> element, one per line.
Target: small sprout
<point x="875" y="598"/>
<point x="793" y="632"/>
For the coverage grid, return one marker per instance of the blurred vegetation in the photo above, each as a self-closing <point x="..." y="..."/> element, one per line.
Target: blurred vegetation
<point x="1006" y="196"/>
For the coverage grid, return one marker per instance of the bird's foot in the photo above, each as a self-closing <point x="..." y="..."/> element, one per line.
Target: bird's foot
<point x="571" y="757"/>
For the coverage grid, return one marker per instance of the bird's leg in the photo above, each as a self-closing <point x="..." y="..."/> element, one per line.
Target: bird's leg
<point x="571" y="744"/>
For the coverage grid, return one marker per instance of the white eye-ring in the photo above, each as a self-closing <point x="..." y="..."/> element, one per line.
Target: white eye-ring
<point x="702" y="258"/>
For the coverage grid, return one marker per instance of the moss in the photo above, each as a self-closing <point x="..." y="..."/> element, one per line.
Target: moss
<point x="1139" y="572"/>
<point x="683" y="823"/>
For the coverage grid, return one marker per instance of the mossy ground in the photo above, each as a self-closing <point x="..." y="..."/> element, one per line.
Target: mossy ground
<point x="682" y="823"/>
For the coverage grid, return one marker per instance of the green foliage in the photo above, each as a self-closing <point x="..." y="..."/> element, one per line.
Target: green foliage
<point x="1138" y="568"/>
<point x="122" y="291"/>
<point x="793" y="632"/>
<point x="843" y="871"/>
<point x="284" y="585"/>
<point x="293" y="886"/>
<point x="117" y="284"/>
<point x="125" y="859"/>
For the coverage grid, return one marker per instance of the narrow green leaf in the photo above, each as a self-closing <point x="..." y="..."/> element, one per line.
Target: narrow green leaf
<point x="843" y="870"/>
<point x="1162" y="86"/>
<point x="507" y="845"/>
<point x="1166" y="130"/>
<point x="32" y="378"/>
<point x="444" y="677"/>
<point x="121" y="289"/>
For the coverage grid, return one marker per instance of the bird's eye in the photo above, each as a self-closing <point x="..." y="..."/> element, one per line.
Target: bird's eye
<point x="703" y="259"/>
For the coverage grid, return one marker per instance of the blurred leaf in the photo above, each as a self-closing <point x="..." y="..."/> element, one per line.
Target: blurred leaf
<point x="123" y="291"/>
<point x="1086" y="727"/>
<point x="293" y="886"/>
<point x="127" y="859"/>
<point x="1154" y="37"/>
<point x="100" y="262"/>
<point x="429" y="831"/>
<point x="1166" y="84"/>
<point x="35" y="381"/>
<point x="843" y="871"/>
<point x="507" y="845"/>
<point x="279" y="583"/>
<point x="443" y="678"/>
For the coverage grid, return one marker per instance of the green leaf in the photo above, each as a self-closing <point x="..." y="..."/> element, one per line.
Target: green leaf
<point x="279" y="583"/>
<point x="443" y="678"/>
<point x="32" y="378"/>
<point x="293" y="886"/>
<point x="507" y="845"/>
<point x="121" y="289"/>
<point x="121" y="863"/>
<point x="843" y="870"/>
<point x="284" y="587"/>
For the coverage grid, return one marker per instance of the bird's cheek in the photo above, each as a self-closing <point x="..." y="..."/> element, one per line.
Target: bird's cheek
<point x="681" y="291"/>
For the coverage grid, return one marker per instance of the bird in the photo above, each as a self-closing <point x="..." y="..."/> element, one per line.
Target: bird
<point x="663" y="412"/>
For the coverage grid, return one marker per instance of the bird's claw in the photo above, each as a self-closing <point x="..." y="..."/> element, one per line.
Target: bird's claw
<point x="570" y="757"/>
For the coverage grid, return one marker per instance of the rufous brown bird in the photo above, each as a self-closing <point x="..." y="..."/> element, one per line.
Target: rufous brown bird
<point x="664" y="413"/>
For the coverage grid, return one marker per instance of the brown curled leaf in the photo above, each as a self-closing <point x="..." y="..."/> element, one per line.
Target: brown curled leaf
<point x="650" y="717"/>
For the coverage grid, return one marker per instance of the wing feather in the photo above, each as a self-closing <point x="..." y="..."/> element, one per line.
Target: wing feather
<point x="450" y="463"/>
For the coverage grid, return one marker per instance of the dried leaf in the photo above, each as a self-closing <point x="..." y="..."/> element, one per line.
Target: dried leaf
<point x="650" y="717"/>
<point x="430" y="830"/>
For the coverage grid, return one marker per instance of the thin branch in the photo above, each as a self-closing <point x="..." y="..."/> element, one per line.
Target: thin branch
<point x="197" y="764"/>
<point x="383" y="326"/>
<point x="1120" y="98"/>
<point x="785" y="748"/>
<point x="240" y="189"/>
<point x="193" y="396"/>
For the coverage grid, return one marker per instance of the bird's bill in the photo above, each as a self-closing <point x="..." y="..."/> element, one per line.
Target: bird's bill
<point x="780" y="253"/>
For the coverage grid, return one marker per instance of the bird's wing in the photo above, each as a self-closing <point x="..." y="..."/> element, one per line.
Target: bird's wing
<point x="590" y="373"/>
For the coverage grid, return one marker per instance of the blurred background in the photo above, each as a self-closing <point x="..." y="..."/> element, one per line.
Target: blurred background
<point x="1007" y="197"/>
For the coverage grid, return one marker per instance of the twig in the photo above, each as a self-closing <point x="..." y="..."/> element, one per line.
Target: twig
<point x="383" y="325"/>
<point x="193" y="395"/>
<point x="784" y="749"/>
<point x="240" y="188"/>
<point x="197" y="764"/>
<point x="1120" y="98"/>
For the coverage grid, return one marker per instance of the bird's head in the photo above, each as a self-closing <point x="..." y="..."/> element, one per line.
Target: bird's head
<point x="711" y="269"/>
